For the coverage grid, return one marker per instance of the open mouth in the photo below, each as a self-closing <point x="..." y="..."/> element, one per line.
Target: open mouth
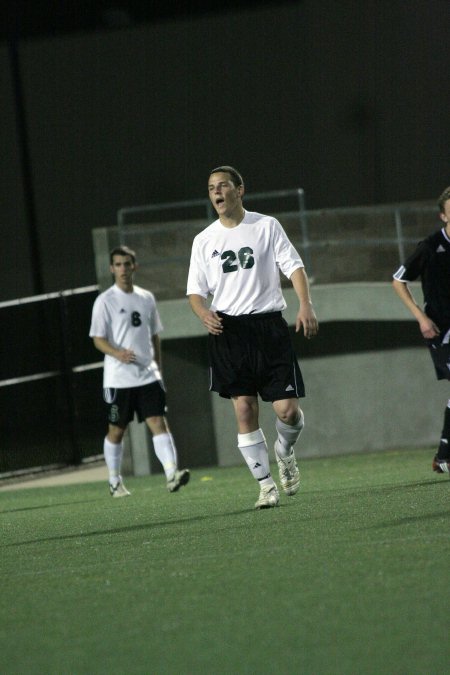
<point x="219" y="200"/>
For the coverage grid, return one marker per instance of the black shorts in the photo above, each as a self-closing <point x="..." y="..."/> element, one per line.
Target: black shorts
<point x="440" y="353"/>
<point x="146" y="401"/>
<point x="254" y="355"/>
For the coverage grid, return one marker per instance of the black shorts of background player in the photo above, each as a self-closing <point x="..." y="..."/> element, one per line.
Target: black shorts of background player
<point x="431" y="263"/>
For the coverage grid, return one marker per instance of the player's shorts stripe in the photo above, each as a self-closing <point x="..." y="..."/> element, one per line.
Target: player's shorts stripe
<point x="210" y="379"/>
<point x="109" y="395"/>
<point x="295" y="380"/>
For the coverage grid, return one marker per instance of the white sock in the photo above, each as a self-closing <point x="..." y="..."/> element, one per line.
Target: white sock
<point x="288" y="434"/>
<point x="253" y="448"/>
<point x="166" y="452"/>
<point x="113" y="453"/>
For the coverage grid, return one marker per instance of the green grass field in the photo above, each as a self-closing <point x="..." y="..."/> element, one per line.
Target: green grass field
<point x="347" y="577"/>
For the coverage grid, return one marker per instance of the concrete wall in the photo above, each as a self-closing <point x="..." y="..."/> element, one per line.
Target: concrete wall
<point x="355" y="403"/>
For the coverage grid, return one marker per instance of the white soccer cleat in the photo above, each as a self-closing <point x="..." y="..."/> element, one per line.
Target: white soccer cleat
<point x="289" y="473"/>
<point x="180" y="478"/>
<point x="268" y="497"/>
<point x="118" y="490"/>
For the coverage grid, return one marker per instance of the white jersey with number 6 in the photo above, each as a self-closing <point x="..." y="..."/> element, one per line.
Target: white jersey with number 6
<point x="127" y="321"/>
<point x="240" y="266"/>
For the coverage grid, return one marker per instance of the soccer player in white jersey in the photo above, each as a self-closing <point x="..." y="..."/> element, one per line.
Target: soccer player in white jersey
<point x="237" y="260"/>
<point x="125" y="327"/>
<point x="431" y="263"/>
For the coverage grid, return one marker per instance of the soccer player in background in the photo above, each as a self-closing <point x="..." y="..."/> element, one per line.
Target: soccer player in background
<point x="431" y="263"/>
<point x="237" y="260"/>
<point x="125" y="327"/>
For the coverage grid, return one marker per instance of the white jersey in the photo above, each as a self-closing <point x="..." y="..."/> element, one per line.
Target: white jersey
<point x="240" y="266"/>
<point x="127" y="321"/>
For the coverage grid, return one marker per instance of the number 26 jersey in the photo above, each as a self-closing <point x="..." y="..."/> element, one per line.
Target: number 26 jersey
<point x="240" y="266"/>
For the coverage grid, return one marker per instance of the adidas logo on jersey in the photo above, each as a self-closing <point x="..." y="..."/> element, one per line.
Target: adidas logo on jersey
<point x="215" y="253"/>
<point x="440" y="249"/>
<point x="123" y="311"/>
<point x="289" y="388"/>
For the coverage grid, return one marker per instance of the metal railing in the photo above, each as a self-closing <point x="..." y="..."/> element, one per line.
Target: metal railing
<point x="49" y="385"/>
<point x="365" y="243"/>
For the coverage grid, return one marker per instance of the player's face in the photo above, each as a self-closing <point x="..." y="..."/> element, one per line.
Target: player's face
<point x="122" y="270"/>
<point x="445" y="216"/>
<point x="224" y="195"/>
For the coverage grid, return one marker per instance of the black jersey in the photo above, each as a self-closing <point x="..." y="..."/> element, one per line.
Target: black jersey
<point x="431" y="263"/>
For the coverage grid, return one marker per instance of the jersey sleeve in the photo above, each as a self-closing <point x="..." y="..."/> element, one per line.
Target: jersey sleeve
<point x="414" y="265"/>
<point x="99" y="323"/>
<point x="197" y="282"/>
<point x="287" y="257"/>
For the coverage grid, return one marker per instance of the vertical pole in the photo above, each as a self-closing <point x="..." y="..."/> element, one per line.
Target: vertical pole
<point x="399" y="230"/>
<point x="23" y="142"/>
<point x="305" y="253"/>
<point x="68" y="379"/>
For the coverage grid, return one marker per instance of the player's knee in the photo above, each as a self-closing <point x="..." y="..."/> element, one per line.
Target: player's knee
<point x="246" y="410"/>
<point x="115" y="434"/>
<point x="288" y="412"/>
<point x="157" y="425"/>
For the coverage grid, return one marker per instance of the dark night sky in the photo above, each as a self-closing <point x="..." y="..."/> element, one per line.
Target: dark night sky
<point x="27" y="20"/>
<point x="115" y="103"/>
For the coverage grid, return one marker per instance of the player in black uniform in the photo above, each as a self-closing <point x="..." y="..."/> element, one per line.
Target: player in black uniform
<point x="431" y="263"/>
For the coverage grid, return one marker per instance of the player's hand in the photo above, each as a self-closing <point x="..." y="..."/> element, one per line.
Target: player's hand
<point x="126" y="356"/>
<point x="428" y="328"/>
<point x="212" y="322"/>
<point x="307" y="319"/>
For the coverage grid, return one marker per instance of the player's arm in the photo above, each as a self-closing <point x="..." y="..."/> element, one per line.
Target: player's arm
<point x="211" y="321"/>
<point x="427" y="327"/>
<point x="123" y="355"/>
<point x="306" y="315"/>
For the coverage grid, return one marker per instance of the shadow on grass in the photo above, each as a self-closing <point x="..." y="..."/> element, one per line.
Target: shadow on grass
<point x="128" y="528"/>
<point x="384" y="487"/>
<point x="399" y="522"/>
<point x="49" y="506"/>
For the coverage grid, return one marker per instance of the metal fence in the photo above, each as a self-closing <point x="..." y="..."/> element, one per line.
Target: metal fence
<point x="50" y="382"/>
<point x="365" y="243"/>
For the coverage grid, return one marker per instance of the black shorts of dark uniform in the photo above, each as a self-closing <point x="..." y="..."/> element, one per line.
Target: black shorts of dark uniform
<point x="254" y="355"/>
<point x="440" y="353"/>
<point x="146" y="401"/>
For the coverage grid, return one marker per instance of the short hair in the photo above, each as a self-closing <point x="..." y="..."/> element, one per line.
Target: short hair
<point x="234" y="175"/>
<point x="122" y="250"/>
<point x="445" y="196"/>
